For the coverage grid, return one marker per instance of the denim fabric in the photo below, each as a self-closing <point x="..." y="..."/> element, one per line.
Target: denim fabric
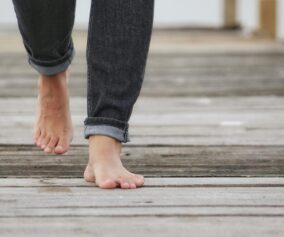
<point x="46" y="27"/>
<point x="119" y="35"/>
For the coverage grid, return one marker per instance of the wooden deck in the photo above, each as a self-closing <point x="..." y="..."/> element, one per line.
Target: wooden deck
<point x="207" y="133"/>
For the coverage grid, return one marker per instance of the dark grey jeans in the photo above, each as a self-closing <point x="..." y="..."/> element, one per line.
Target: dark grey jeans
<point x="119" y="35"/>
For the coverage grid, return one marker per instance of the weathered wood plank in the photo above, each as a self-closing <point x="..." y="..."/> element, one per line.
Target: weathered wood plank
<point x="174" y="201"/>
<point x="175" y="121"/>
<point x="164" y="135"/>
<point x="125" y="211"/>
<point x="168" y="75"/>
<point x="152" y="104"/>
<point x="151" y="182"/>
<point x="154" y="226"/>
<point x="155" y="161"/>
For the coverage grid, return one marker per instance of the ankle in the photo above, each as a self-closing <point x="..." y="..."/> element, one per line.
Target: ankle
<point x="103" y="148"/>
<point x="59" y="75"/>
<point x="104" y="142"/>
<point x="53" y="82"/>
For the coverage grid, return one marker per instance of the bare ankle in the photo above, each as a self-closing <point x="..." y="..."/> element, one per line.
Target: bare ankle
<point x="104" y="142"/>
<point x="57" y="80"/>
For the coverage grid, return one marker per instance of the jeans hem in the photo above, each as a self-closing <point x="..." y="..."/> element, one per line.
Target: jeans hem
<point x="53" y="67"/>
<point x="107" y="126"/>
<point x="107" y="130"/>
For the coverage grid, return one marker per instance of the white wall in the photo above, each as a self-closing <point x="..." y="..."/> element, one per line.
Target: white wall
<point x="189" y="12"/>
<point x="247" y="14"/>
<point x="281" y="20"/>
<point x="6" y="12"/>
<point x="207" y="13"/>
<point x="167" y="13"/>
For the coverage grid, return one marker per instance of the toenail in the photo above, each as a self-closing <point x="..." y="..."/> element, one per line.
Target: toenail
<point x="47" y="149"/>
<point x="59" y="147"/>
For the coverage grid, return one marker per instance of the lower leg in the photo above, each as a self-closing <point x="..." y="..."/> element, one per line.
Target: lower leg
<point x="46" y="28"/>
<point x="118" y="43"/>
<point x="53" y="129"/>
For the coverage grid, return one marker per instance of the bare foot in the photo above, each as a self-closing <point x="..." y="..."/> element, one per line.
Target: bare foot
<point x="105" y="167"/>
<point x="53" y="129"/>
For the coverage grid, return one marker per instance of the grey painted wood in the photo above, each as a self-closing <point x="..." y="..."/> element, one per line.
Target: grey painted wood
<point x="130" y="212"/>
<point x="174" y="201"/>
<point x="178" y="120"/>
<point x="68" y="197"/>
<point x="52" y="208"/>
<point x="154" y="226"/>
<point x="168" y="75"/>
<point x="155" y="161"/>
<point x="151" y="182"/>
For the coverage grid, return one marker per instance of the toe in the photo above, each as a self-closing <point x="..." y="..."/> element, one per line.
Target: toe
<point x="139" y="180"/>
<point x="107" y="184"/>
<point x="60" y="149"/>
<point x="62" y="146"/>
<point x="51" y="145"/>
<point x="40" y="139"/>
<point x="89" y="174"/>
<point x="36" y="135"/>
<point x="124" y="184"/>
<point x="132" y="185"/>
<point x="45" y="142"/>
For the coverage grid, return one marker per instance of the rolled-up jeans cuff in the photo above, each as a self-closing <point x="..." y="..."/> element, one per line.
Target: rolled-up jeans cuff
<point x="106" y="126"/>
<point x="52" y="67"/>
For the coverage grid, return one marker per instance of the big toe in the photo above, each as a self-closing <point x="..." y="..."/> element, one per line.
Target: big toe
<point x="62" y="147"/>
<point x="51" y="145"/>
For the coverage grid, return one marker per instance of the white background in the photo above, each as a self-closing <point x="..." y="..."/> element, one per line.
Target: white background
<point x="167" y="12"/>
<point x="207" y="13"/>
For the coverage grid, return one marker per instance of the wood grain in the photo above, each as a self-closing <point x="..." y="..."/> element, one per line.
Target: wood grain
<point x="152" y="161"/>
<point x="168" y="75"/>
<point x="205" y="226"/>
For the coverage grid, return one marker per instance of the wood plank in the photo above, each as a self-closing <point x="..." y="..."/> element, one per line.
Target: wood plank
<point x="153" y="226"/>
<point x="11" y="106"/>
<point x="200" y="121"/>
<point x="152" y="161"/>
<point x="174" y="201"/>
<point x="194" y="135"/>
<point x="130" y="212"/>
<point x="168" y="75"/>
<point x="151" y="182"/>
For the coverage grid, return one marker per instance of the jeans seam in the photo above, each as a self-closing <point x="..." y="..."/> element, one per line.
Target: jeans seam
<point x="89" y="81"/>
